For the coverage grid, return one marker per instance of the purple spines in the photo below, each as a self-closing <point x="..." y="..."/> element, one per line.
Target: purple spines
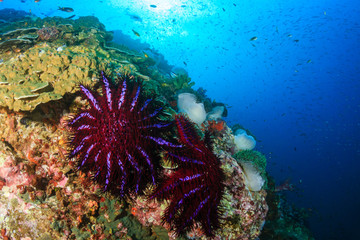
<point x="185" y="159"/>
<point x="81" y="115"/>
<point x="157" y="125"/>
<point x="145" y="105"/>
<point x="135" y="165"/>
<point x="87" y="154"/>
<point x="181" y="201"/>
<point x="168" y="187"/>
<point x="187" y="134"/>
<point x="76" y="150"/>
<point x="148" y="162"/>
<point x="175" y="184"/>
<point x="123" y="177"/>
<point x="108" y="173"/>
<point x="122" y="95"/>
<point x="135" y="99"/>
<point x="90" y="97"/>
<point x="132" y="162"/>
<point x="97" y="156"/>
<point x="189" y="178"/>
<point x="107" y="91"/>
<point x="86" y="127"/>
<point x="156" y="111"/>
<point x="162" y="141"/>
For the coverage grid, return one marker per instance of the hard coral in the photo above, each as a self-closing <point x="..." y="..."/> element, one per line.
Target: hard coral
<point x="196" y="187"/>
<point x="116" y="136"/>
<point x="48" y="33"/>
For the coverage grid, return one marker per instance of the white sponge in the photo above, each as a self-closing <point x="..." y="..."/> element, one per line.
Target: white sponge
<point x="216" y="113"/>
<point x="244" y="141"/>
<point x="195" y="111"/>
<point x="252" y="177"/>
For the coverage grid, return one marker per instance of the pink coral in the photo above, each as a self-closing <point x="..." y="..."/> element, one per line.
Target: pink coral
<point x="13" y="175"/>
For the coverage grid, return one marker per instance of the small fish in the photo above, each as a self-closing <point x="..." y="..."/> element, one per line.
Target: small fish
<point x="253" y="38"/>
<point x="173" y="75"/>
<point x="145" y="55"/>
<point x="309" y="61"/>
<point x="37" y="1"/>
<point x="296" y="40"/>
<point x="65" y="9"/>
<point x="71" y="17"/>
<point x="136" y="33"/>
<point x="153" y="6"/>
<point x="135" y="17"/>
<point x="185" y="63"/>
<point x="290" y="35"/>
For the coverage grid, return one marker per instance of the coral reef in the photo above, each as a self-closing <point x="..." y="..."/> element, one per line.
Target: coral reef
<point x="42" y="193"/>
<point x="35" y="71"/>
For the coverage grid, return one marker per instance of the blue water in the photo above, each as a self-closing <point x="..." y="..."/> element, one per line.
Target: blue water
<point x="296" y="87"/>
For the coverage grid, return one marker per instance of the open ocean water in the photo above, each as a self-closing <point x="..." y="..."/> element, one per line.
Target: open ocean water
<point x="287" y="70"/>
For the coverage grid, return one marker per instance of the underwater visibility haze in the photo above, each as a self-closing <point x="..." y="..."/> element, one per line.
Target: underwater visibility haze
<point x="180" y="119"/>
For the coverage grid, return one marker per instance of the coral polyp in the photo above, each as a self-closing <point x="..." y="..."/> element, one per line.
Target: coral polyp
<point x="196" y="187"/>
<point x="116" y="137"/>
